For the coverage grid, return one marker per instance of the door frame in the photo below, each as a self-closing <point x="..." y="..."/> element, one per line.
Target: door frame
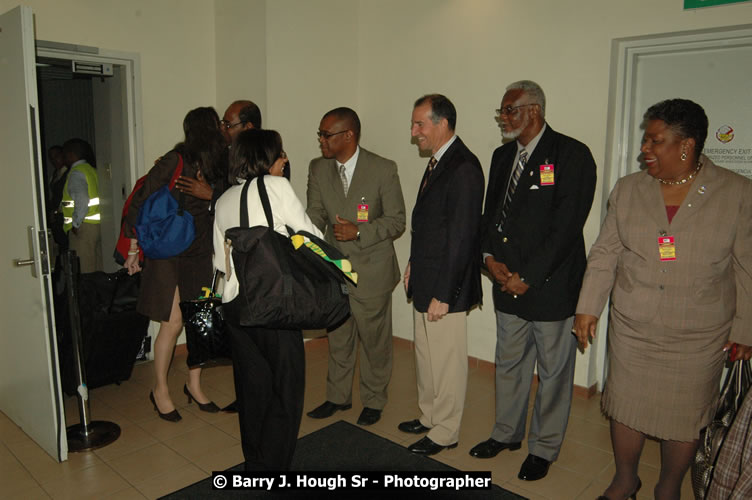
<point x="131" y="62"/>
<point x="625" y="54"/>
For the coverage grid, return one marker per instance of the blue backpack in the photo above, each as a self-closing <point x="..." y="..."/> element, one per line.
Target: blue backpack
<point x="164" y="228"/>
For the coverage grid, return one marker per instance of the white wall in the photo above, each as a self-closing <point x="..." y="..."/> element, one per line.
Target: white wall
<point x="297" y="59"/>
<point x="175" y="39"/>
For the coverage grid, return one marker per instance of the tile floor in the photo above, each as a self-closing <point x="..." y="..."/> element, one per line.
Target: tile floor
<point x="153" y="457"/>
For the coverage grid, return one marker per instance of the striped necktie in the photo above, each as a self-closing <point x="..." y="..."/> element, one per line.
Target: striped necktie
<point x="513" y="186"/>
<point x="343" y="177"/>
<point x="429" y="169"/>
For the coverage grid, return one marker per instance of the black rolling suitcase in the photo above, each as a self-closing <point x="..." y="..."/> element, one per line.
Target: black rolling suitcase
<point x="111" y="329"/>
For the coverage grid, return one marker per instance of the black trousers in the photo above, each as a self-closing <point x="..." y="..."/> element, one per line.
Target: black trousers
<point x="269" y="371"/>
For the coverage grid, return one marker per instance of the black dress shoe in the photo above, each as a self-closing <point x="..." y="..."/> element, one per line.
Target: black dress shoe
<point x="491" y="448"/>
<point x="327" y="409"/>
<point x="633" y="496"/>
<point x="172" y="416"/>
<point x="369" y="416"/>
<point x="534" y="468"/>
<point x="231" y="408"/>
<point x="209" y="407"/>
<point x="413" y="427"/>
<point x="427" y="447"/>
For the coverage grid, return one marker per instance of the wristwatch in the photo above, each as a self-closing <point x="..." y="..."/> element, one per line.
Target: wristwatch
<point x="357" y="236"/>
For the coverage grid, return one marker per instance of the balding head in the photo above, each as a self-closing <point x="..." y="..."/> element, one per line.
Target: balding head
<point x="239" y="116"/>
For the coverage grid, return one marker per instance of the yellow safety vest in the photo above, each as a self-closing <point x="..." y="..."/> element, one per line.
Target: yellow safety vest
<point x="67" y="205"/>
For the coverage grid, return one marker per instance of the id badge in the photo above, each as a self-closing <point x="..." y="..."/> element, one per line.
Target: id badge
<point x="363" y="213"/>
<point x="666" y="248"/>
<point x="547" y="175"/>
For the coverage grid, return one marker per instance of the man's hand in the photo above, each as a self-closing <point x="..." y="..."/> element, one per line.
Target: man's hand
<point x="515" y="286"/>
<point x="198" y="188"/>
<point x="345" y="230"/>
<point x="407" y="276"/>
<point x="498" y="270"/>
<point x="437" y="309"/>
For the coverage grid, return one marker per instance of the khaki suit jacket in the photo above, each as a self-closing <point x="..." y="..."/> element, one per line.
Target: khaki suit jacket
<point x="375" y="183"/>
<point x="709" y="285"/>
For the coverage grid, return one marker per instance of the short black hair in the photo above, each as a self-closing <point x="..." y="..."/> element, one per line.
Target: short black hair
<point x="250" y="113"/>
<point x="253" y="153"/>
<point x="441" y="107"/>
<point x="81" y="149"/>
<point x="685" y="118"/>
<point x="347" y="115"/>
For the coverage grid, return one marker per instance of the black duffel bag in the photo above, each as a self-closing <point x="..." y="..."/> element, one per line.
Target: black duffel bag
<point x="281" y="287"/>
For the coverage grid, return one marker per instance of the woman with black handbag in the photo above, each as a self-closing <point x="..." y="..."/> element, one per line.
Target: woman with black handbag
<point x="268" y="364"/>
<point x="165" y="281"/>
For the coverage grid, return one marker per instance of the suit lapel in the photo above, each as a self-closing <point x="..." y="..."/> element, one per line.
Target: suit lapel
<point x="706" y="181"/>
<point x="649" y="190"/>
<point x="359" y="175"/>
<point x="442" y="166"/>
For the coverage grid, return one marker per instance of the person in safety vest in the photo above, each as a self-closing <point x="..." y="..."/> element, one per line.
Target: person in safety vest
<point x="80" y="205"/>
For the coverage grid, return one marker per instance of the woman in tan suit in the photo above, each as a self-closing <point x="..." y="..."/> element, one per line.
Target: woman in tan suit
<point x="675" y="254"/>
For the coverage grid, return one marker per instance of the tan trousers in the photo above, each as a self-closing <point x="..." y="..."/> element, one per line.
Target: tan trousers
<point x="88" y="246"/>
<point x="441" y="370"/>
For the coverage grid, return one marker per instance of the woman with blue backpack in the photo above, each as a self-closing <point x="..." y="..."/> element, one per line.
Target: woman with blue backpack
<point x="174" y="231"/>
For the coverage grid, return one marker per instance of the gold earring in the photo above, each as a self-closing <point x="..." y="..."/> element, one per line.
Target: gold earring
<point x="684" y="156"/>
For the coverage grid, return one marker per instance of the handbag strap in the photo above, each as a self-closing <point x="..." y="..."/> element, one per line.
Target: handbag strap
<point x="174" y="180"/>
<point x="244" y="222"/>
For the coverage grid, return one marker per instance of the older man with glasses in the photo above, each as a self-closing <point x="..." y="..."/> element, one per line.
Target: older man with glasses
<point x="540" y="189"/>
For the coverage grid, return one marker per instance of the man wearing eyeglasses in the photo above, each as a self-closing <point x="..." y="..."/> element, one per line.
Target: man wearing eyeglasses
<point x="540" y="190"/>
<point x="355" y="198"/>
<point x="239" y="116"/>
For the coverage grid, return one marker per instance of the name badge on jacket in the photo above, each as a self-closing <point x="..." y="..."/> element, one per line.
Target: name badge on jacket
<point x="666" y="248"/>
<point x="363" y="212"/>
<point x="547" y="175"/>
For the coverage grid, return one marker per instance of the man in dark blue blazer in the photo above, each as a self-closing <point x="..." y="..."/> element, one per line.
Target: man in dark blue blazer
<point x="540" y="190"/>
<point x="443" y="275"/>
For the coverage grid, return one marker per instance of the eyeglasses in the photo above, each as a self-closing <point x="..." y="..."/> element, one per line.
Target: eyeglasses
<point x="227" y="125"/>
<point x="328" y="135"/>
<point x="510" y="110"/>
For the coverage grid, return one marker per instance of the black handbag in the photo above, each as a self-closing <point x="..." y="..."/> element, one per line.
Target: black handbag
<point x="735" y="387"/>
<point x="282" y="287"/>
<point x="205" y="331"/>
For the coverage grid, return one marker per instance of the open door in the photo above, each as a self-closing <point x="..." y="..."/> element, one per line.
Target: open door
<point x="30" y="392"/>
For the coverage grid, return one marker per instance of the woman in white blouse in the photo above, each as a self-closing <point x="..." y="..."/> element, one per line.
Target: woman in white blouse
<point x="268" y="365"/>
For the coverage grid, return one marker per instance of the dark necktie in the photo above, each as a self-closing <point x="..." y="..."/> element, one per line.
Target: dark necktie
<point x="429" y="169"/>
<point x="513" y="186"/>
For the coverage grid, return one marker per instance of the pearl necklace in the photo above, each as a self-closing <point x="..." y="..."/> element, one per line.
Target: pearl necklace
<point x="683" y="181"/>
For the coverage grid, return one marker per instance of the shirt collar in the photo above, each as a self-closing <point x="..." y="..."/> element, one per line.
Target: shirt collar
<point x="532" y="144"/>
<point x="438" y="154"/>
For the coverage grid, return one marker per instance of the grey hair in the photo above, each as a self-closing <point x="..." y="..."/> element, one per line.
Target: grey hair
<point x="533" y="90"/>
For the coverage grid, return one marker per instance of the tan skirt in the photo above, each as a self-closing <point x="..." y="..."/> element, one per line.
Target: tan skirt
<point x="663" y="382"/>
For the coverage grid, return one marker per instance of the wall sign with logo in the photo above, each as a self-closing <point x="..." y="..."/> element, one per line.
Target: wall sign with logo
<point x="696" y="4"/>
<point x="730" y="146"/>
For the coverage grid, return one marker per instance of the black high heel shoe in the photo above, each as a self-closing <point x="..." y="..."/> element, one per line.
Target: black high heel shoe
<point x="208" y="407"/>
<point x="633" y="496"/>
<point x="173" y="416"/>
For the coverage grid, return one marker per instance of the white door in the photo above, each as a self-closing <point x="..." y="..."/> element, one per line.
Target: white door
<point x="30" y="392"/>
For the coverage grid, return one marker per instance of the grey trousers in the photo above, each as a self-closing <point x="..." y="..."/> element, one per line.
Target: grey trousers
<point x="520" y="344"/>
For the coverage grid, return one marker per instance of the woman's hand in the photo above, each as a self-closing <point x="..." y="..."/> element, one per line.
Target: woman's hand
<point x="584" y="329"/>
<point x="742" y="351"/>
<point x="131" y="264"/>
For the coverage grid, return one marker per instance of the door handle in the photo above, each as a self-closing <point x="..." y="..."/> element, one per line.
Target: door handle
<point x="24" y="262"/>
<point x="38" y="247"/>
